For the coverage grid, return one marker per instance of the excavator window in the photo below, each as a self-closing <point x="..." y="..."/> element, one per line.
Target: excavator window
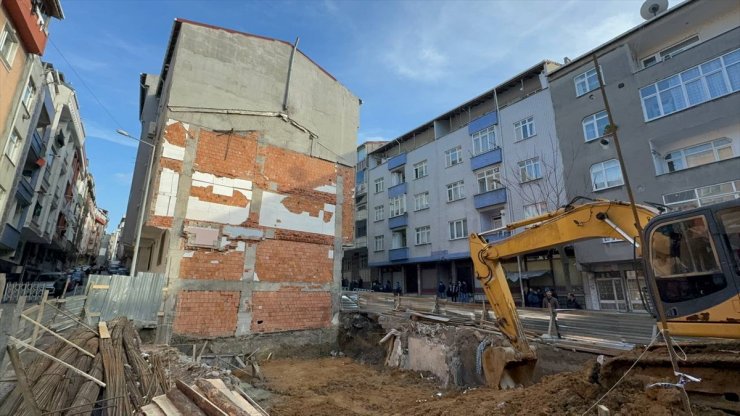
<point x="730" y="221"/>
<point x="684" y="260"/>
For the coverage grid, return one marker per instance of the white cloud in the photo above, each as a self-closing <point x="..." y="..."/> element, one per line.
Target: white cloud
<point x="95" y="131"/>
<point x="123" y="178"/>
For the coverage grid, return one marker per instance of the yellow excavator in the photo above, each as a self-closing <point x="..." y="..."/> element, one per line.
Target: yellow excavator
<point x="691" y="261"/>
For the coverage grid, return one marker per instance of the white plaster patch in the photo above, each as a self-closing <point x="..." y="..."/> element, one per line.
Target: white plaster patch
<point x="221" y="185"/>
<point x="329" y="189"/>
<point x="241" y="246"/>
<point x="171" y="151"/>
<point x="256" y="279"/>
<point x="171" y="121"/>
<point x="188" y="254"/>
<point x="166" y="195"/>
<point x="214" y="261"/>
<point x="214" y="212"/>
<point x="274" y="214"/>
<point x="331" y="254"/>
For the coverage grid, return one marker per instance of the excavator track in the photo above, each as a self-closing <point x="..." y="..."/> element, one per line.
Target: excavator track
<point x="716" y="363"/>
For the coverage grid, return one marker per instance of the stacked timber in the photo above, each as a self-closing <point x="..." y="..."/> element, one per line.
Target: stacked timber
<point x="90" y="370"/>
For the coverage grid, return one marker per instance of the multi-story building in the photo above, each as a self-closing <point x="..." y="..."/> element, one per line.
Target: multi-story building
<point x="355" y="271"/>
<point x="488" y="162"/>
<point x="672" y="84"/>
<point x="115" y="250"/>
<point x="250" y="199"/>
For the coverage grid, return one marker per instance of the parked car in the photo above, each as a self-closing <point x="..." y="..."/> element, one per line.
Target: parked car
<point x="53" y="281"/>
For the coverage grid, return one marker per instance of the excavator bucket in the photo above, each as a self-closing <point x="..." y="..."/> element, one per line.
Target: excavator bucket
<point x="505" y="368"/>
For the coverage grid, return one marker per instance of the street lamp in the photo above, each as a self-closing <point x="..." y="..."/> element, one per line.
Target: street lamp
<point x="140" y="222"/>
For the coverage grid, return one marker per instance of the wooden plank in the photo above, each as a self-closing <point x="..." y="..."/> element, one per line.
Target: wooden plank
<point x="235" y="398"/>
<point x="152" y="409"/>
<point x="203" y="403"/>
<point x="51" y="357"/>
<point x="103" y="330"/>
<point x="39" y="317"/>
<point x="183" y="404"/>
<point x="168" y="408"/>
<point x="15" y="360"/>
<point x="100" y="287"/>
<point x="72" y="317"/>
<point x="61" y="338"/>
<point x="220" y="398"/>
<point x="603" y="410"/>
<point x="200" y="354"/>
<point x="251" y="401"/>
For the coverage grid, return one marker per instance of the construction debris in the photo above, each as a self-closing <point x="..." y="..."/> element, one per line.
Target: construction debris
<point x="207" y="397"/>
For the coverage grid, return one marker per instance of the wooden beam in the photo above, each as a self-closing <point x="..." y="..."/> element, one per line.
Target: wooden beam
<point x="39" y="325"/>
<point x="23" y="384"/>
<point x="74" y="318"/>
<point x="103" y="330"/>
<point x="51" y="357"/>
<point x="39" y="317"/>
<point x="203" y="403"/>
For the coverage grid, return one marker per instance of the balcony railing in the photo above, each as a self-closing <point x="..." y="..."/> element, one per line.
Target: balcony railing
<point x="490" y="198"/>
<point x="10" y="237"/>
<point x="397" y="161"/>
<point x="397" y="190"/>
<point x="489" y="158"/>
<point x="398" y="222"/>
<point x="397" y="254"/>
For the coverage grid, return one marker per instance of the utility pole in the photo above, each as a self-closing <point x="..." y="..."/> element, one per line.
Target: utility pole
<point x="612" y="130"/>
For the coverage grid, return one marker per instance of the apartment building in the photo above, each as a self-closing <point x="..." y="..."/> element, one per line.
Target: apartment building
<point x="488" y="162"/>
<point x="672" y="84"/>
<point x="251" y="192"/>
<point x="355" y="271"/>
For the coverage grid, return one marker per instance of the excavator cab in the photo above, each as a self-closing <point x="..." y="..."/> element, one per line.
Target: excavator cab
<point x="694" y="258"/>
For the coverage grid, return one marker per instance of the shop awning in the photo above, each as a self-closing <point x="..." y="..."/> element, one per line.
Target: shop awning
<point x="530" y="274"/>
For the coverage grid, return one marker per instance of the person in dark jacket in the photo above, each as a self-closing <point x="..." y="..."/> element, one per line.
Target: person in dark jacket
<point x="551" y="302"/>
<point x="532" y="300"/>
<point x="441" y="290"/>
<point x="572" y="303"/>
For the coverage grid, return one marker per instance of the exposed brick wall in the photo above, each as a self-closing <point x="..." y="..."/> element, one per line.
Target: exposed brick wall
<point x="237" y="199"/>
<point x="223" y="154"/>
<point x="290" y="261"/>
<point x="213" y="265"/>
<point x="348" y="207"/>
<point x="172" y="164"/>
<point x="159" y="221"/>
<point x="206" y="313"/>
<point x="175" y="134"/>
<point x="295" y="172"/>
<point x="290" y="309"/>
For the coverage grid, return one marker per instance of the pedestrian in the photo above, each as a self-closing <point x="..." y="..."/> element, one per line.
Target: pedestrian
<point x="387" y="288"/>
<point x="550" y="302"/>
<point x="398" y="291"/>
<point x="532" y="300"/>
<point x="463" y="291"/>
<point x="441" y="290"/>
<point x="455" y="291"/>
<point x="359" y="283"/>
<point x="572" y="303"/>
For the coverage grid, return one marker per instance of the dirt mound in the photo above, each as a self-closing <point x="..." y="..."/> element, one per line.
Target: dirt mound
<point x="358" y="338"/>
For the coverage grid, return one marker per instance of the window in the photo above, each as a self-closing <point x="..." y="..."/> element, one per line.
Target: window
<point x="421" y="201"/>
<point x="608" y="240"/>
<point x="484" y="141"/>
<point x="730" y="220"/>
<point x="398" y="177"/>
<point x="533" y="210"/>
<point x="398" y="239"/>
<point x="706" y="195"/>
<point x="379" y="241"/>
<point x="606" y="175"/>
<point x="8" y="44"/>
<point x="3" y="194"/>
<point x="379" y="212"/>
<point x="705" y="82"/>
<point x="379" y="185"/>
<point x="700" y="154"/>
<point x="497" y="222"/>
<point x="420" y="170"/>
<point x="423" y="235"/>
<point x="455" y="191"/>
<point x="29" y="93"/>
<point x="668" y="53"/>
<point x="587" y="81"/>
<point x="594" y="126"/>
<point x="684" y="260"/>
<point x="488" y="180"/>
<point x="458" y="229"/>
<point x="453" y="156"/>
<point x="529" y="170"/>
<point x="13" y="146"/>
<point x="360" y="228"/>
<point x="524" y="129"/>
<point x="397" y="206"/>
<point x="361" y="206"/>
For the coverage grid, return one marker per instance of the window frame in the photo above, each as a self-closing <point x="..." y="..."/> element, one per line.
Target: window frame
<point x="519" y="128"/>
<point x="398" y="177"/>
<point x="423" y="231"/>
<point x="449" y="161"/>
<point x="540" y="208"/>
<point x="523" y="165"/>
<point x="404" y="239"/>
<point x="421" y="196"/>
<point x="379" y="209"/>
<point x="594" y="119"/>
<point x="489" y="135"/>
<point x="420" y="167"/>
<point x="586" y="75"/>
<point x="12" y="147"/>
<point x="9" y="34"/>
<point x="397" y="206"/>
<point x="379" y="241"/>
<point x="451" y="187"/>
<point x="29" y="95"/>
<point x="379" y="184"/>
<point x="681" y="154"/>
<point x="603" y="171"/>
<point x="671" y="51"/>
<point x="483" y="175"/>
<point x="453" y="229"/>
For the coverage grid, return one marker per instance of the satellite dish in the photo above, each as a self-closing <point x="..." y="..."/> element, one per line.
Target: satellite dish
<point x="652" y="8"/>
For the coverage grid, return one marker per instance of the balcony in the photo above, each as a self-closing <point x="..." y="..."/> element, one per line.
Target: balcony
<point x="490" y="198"/>
<point x="10" y="237"/>
<point x="397" y="190"/>
<point x="25" y="191"/>
<point x="398" y="222"/>
<point x="498" y="235"/>
<point x="397" y="161"/>
<point x="489" y="158"/>
<point x="398" y="254"/>
<point x="483" y="122"/>
<point x="361" y="189"/>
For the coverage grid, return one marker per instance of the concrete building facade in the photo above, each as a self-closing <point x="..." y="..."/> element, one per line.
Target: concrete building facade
<point x="490" y="161"/>
<point x="250" y="198"/>
<point x="672" y="85"/>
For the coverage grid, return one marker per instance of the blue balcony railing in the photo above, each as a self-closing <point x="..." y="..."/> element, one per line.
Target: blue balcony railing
<point x="490" y="198"/>
<point x="398" y="222"/>
<point x="397" y="254"/>
<point x="25" y="191"/>
<point x="397" y="190"/>
<point x="486" y="159"/>
<point x="397" y="161"/>
<point x="10" y="237"/>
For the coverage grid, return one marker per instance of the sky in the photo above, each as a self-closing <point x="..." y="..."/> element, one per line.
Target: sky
<point x="409" y="61"/>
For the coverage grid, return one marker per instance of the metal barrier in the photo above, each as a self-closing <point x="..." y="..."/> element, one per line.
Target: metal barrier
<point x="32" y="291"/>
<point x="138" y="298"/>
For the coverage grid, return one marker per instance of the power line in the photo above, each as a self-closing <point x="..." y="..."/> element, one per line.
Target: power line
<point x="82" y="80"/>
